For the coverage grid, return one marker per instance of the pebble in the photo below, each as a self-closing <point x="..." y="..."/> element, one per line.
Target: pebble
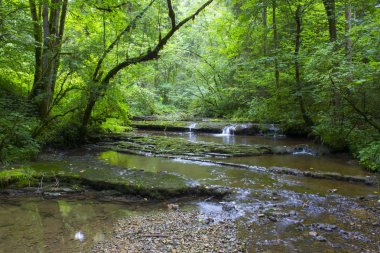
<point x="313" y="233"/>
<point x="173" y="232"/>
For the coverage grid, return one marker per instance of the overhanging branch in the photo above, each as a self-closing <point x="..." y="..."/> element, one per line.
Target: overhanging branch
<point x="127" y="29"/>
<point x="153" y="54"/>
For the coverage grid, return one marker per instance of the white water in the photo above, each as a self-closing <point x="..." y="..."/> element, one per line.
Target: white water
<point x="192" y="126"/>
<point x="304" y="151"/>
<point x="273" y="128"/>
<point x="229" y="130"/>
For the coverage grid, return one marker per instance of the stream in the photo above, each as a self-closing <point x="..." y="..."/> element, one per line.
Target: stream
<point x="275" y="212"/>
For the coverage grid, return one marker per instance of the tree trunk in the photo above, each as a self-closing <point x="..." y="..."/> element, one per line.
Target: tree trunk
<point x="86" y="117"/>
<point x="37" y="33"/>
<point x="1" y="19"/>
<point x="48" y="27"/>
<point x="348" y="26"/>
<point x="265" y="31"/>
<point x="275" y="40"/>
<point x="298" y="19"/>
<point x="330" y="12"/>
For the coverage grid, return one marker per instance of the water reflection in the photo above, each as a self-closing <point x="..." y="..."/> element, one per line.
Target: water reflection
<point x="36" y="225"/>
<point x="79" y="236"/>
<point x="342" y="165"/>
<point x="209" y="173"/>
<point x="235" y="139"/>
<point x="227" y="138"/>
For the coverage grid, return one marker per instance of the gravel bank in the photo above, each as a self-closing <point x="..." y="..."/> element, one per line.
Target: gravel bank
<point x="173" y="232"/>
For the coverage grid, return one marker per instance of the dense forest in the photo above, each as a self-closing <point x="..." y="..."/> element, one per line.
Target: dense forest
<point x="72" y="68"/>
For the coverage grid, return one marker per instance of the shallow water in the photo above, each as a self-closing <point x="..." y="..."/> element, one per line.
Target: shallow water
<point x="296" y="203"/>
<point x="38" y="225"/>
<point x="343" y="164"/>
<point x="234" y="139"/>
<point x="209" y="173"/>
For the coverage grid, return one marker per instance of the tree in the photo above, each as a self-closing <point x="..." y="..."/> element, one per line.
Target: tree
<point x="297" y="45"/>
<point x="330" y="12"/>
<point x="275" y="42"/>
<point x="102" y="81"/>
<point x="49" y="19"/>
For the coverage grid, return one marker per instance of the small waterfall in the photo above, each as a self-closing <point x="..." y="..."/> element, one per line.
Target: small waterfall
<point x="192" y="126"/>
<point x="304" y="150"/>
<point x="229" y="130"/>
<point x="274" y="129"/>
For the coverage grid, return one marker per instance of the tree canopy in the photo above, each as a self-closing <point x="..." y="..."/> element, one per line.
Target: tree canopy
<point x="72" y="68"/>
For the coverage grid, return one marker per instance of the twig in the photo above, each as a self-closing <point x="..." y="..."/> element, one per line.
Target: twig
<point x="154" y="235"/>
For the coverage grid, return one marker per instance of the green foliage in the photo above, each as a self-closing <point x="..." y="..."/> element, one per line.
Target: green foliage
<point x="370" y="156"/>
<point x="332" y="133"/>
<point x="223" y="65"/>
<point x="141" y="100"/>
<point x="16" y="141"/>
<point x="114" y="125"/>
<point x="66" y="135"/>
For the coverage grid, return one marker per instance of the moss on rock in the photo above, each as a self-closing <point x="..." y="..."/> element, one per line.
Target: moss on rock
<point x="133" y="143"/>
<point x="138" y="183"/>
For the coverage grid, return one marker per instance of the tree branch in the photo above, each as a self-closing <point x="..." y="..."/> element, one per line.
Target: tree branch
<point x="171" y="13"/>
<point x="46" y="122"/>
<point x="110" y="9"/>
<point x="150" y="55"/>
<point x="127" y="29"/>
<point x="356" y="109"/>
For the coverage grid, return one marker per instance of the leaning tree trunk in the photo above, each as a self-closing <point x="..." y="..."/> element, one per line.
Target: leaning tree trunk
<point x="298" y="19"/>
<point x="48" y="26"/>
<point x="153" y="54"/>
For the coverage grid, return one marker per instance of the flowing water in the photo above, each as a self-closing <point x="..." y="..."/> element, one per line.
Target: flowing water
<point x="278" y="212"/>
<point x="237" y="139"/>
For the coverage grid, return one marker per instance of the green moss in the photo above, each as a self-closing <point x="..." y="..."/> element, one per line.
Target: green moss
<point x="144" y="184"/>
<point x="168" y="146"/>
<point x="17" y="177"/>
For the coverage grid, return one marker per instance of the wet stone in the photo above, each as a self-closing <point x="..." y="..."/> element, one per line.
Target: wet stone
<point x="320" y="238"/>
<point x="326" y="227"/>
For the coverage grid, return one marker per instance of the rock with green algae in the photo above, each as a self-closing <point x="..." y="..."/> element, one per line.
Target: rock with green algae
<point x="199" y="126"/>
<point x="136" y="183"/>
<point x="134" y="143"/>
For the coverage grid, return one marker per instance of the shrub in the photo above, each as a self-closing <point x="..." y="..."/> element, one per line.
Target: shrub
<point x="370" y="156"/>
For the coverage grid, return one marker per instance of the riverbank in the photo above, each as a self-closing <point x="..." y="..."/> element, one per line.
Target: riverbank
<point x="173" y="231"/>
